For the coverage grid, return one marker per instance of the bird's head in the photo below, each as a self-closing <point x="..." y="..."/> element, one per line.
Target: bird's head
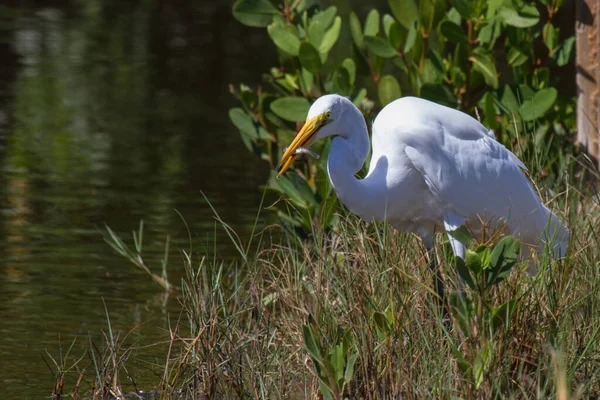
<point x="321" y="122"/>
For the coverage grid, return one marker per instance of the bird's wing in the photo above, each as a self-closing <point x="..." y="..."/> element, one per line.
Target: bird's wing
<point x="469" y="172"/>
<point x="426" y="122"/>
<point x="487" y="138"/>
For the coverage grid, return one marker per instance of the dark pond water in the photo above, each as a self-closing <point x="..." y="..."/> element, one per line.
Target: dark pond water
<point x="112" y="112"/>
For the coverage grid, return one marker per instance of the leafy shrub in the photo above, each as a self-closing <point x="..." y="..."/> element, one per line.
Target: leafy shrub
<point x="494" y="59"/>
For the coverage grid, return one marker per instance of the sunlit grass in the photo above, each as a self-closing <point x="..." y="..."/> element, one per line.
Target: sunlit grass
<point x="353" y="313"/>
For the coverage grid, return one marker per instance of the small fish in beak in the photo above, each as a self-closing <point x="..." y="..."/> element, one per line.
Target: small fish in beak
<point x="303" y="139"/>
<point x="305" y="150"/>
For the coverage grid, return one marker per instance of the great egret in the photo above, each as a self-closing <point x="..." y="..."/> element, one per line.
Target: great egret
<point x="432" y="169"/>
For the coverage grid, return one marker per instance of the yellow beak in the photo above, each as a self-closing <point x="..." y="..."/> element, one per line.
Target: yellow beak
<point x="304" y="139"/>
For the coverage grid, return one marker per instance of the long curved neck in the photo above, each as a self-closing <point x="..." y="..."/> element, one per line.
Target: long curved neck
<point x="349" y="150"/>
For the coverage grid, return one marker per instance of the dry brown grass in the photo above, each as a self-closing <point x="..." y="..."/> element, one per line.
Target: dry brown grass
<point x="366" y="290"/>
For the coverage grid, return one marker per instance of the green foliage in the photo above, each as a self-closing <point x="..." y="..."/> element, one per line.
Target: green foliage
<point x="474" y="310"/>
<point x="490" y="58"/>
<point x="335" y="366"/>
<point x="351" y="316"/>
<point x="482" y="268"/>
<point x="135" y="256"/>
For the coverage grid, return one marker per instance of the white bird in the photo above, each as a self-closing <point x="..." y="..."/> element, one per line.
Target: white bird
<point x="433" y="169"/>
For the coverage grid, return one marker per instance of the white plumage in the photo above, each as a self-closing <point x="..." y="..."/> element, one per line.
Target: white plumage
<point x="432" y="169"/>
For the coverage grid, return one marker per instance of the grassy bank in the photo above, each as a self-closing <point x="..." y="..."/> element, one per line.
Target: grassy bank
<point x="353" y="314"/>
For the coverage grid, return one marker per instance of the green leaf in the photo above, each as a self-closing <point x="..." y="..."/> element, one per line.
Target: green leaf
<point x="430" y="73"/>
<point x="381" y="322"/>
<point x="380" y="46"/>
<point x="439" y="93"/>
<point x="356" y="31"/>
<point x="388" y="21"/>
<point x="397" y="36"/>
<point x="462" y="235"/>
<point x="270" y="298"/>
<point x="473" y="262"/>
<point x="338" y="360"/>
<point x="315" y="33"/>
<point x="453" y="32"/>
<point x="405" y="11"/>
<point x="360" y="96"/>
<point x="565" y="52"/>
<point x="464" y="8"/>
<point x="284" y="39"/>
<point x="243" y="122"/>
<point x="291" y="108"/>
<point x="436" y="60"/>
<point x="502" y="259"/>
<point x="462" y="363"/>
<point x="550" y="36"/>
<point x="350" y="367"/>
<point x="331" y="36"/>
<point x="484" y="64"/>
<point x="254" y="12"/>
<point x="349" y="65"/>
<point x="454" y="16"/>
<point x="542" y="76"/>
<point x="484" y="255"/>
<point x="508" y="100"/>
<point x="328" y="208"/>
<point x="248" y="96"/>
<point x="411" y="38"/>
<point x="339" y="82"/>
<point x="482" y="363"/>
<point x="389" y="314"/>
<point x="490" y="33"/>
<point x="523" y="17"/>
<point x="325" y="391"/>
<point x="311" y="344"/>
<point x="309" y="57"/>
<point x="322" y="184"/>
<point x="492" y="8"/>
<point x="286" y="80"/>
<point x="389" y="89"/>
<point x="301" y="5"/>
<point x="372" y="23"/>
<point x="489" y="109"/>
<point x="516" y="57"/>
<point x="526" y="92"/>
<point x="464" y="272"/>
<point x="399" y="62"/>
<point x="431" y="11"/>
<point x="536" y="107"/>
<point x="295" y="189"/>
<point x="462" y="307"/>
<point x="263" y="134"/>
<point x="457" y="75"/>
<point x="325" y="17"/>
<point x="307" y="79"/>
<point x="247" y="142"/>
<point x="460" y="62"/>
<point x="502" y="315"/>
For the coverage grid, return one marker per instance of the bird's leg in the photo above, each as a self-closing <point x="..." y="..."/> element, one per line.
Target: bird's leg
<point x="451" y="223"/>
<point x="438" y="283"/>
<point x="459" y="251"/>
<point x="438" y="280"/>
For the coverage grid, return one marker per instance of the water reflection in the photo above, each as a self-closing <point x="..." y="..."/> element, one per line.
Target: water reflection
<point x="112" y="112"/>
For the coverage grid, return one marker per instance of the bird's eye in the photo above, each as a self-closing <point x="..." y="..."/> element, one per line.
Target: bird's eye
<point x="328" y="114"/>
